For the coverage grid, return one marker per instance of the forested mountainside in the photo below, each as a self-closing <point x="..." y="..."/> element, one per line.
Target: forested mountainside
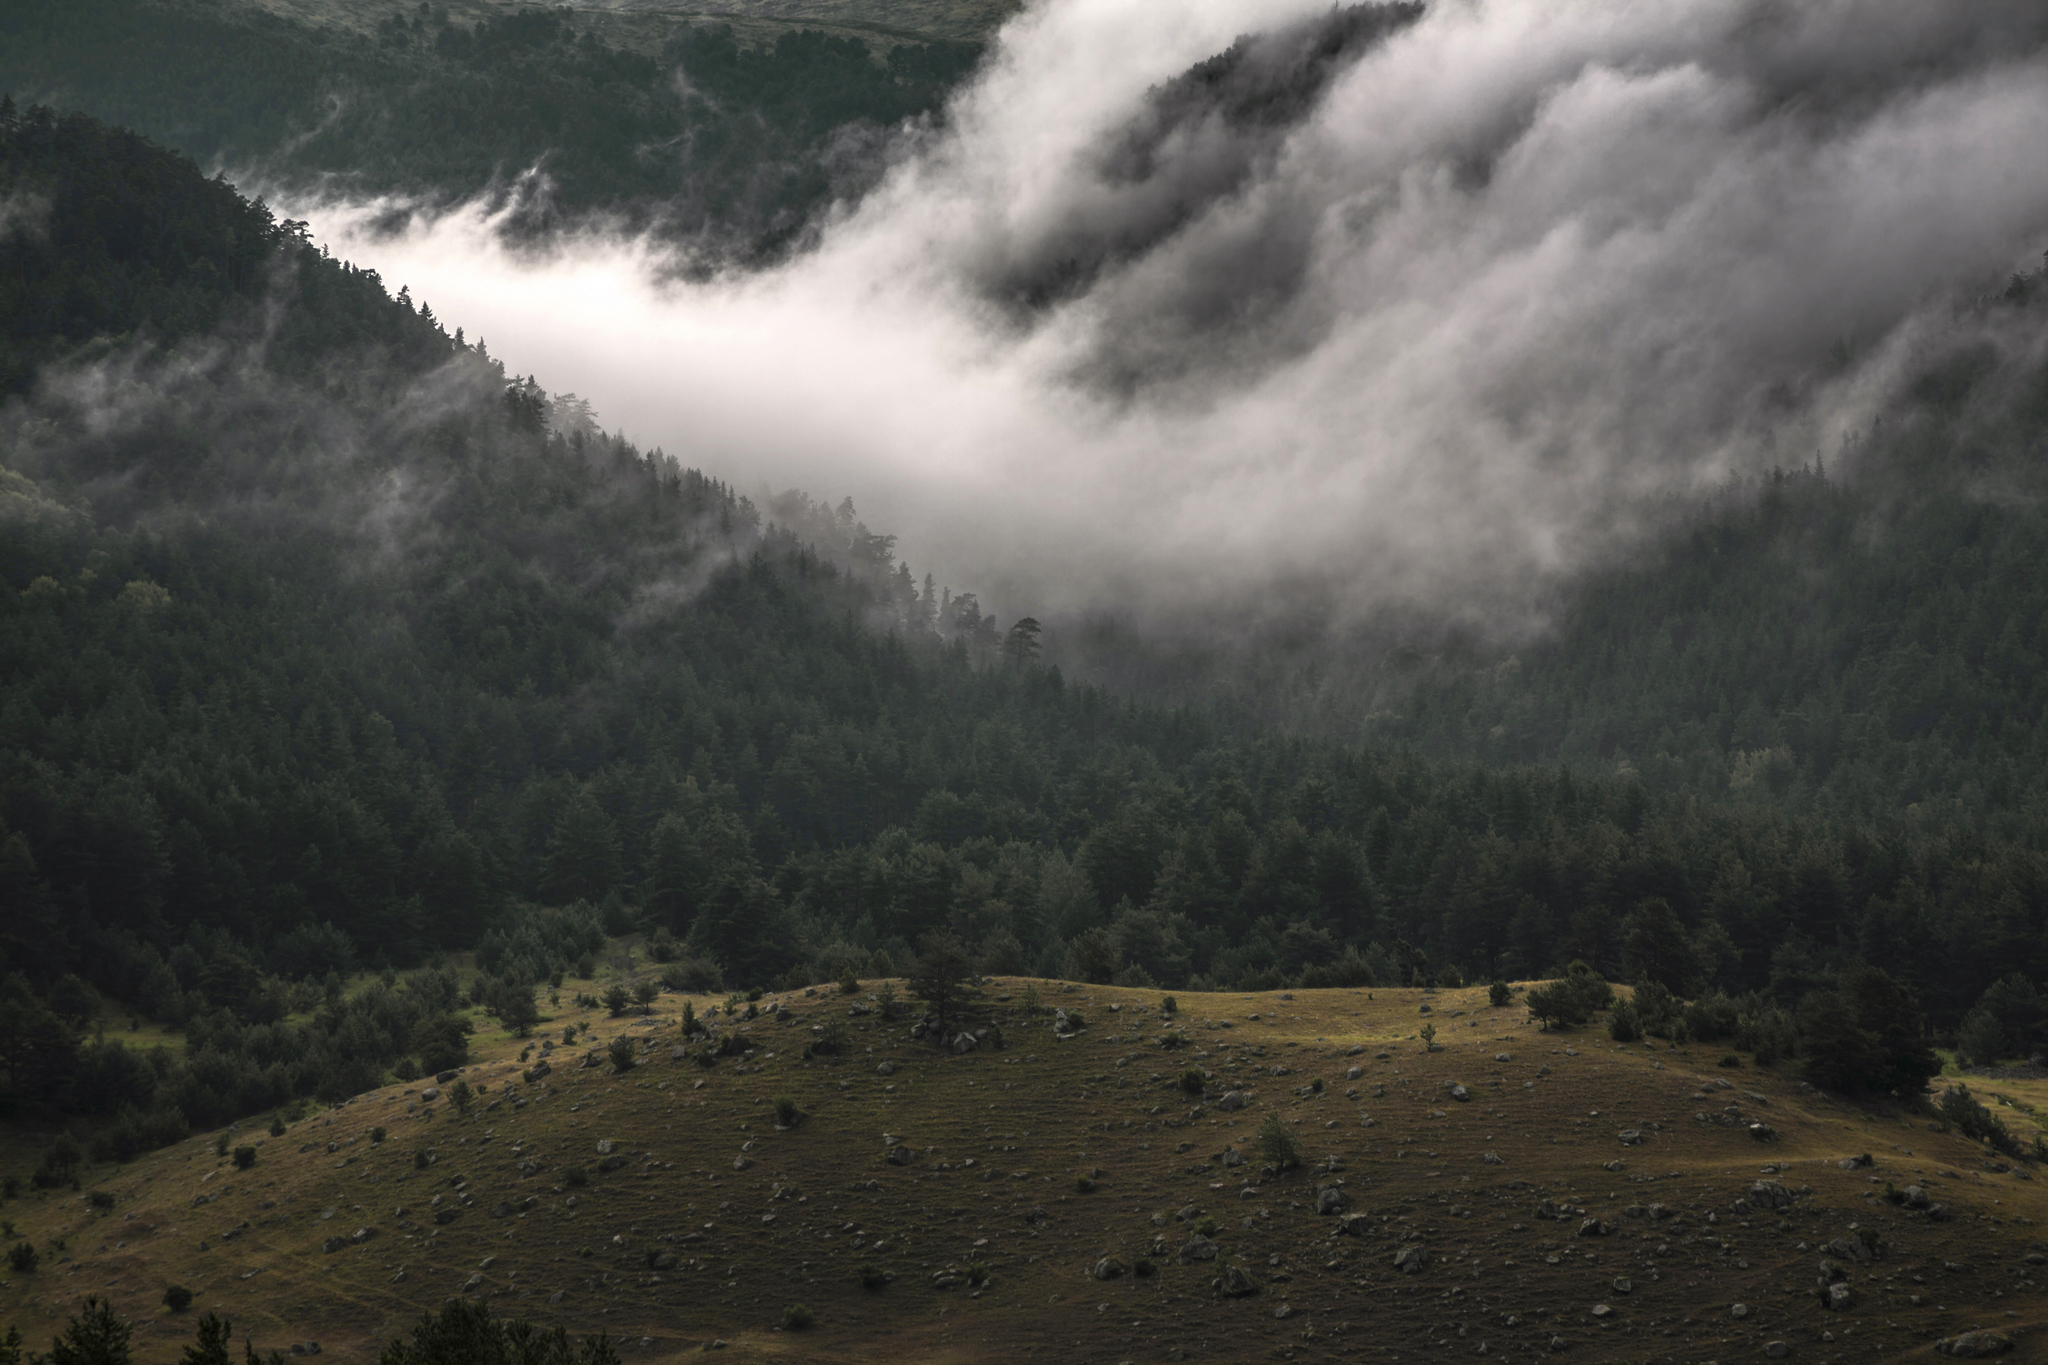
<point x="731" y="145"/>
<point x="330" y="646"/>
<point x="1865" y="638"/>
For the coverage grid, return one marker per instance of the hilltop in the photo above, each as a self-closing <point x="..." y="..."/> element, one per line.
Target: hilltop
<point x="1600" y="1201"/>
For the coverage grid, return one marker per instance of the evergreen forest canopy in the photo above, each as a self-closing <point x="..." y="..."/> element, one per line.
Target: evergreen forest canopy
<point x="332" y="646"/>
<point x="729" y="145"/>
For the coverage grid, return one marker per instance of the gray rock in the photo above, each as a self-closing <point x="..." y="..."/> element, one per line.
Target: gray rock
<point x="1232" y="1101"/>
<point x="1352" y="1073"/>
<point x="1493" y="1159"/>
<point x="430" y="1094"/>
<point x="1460" y="1094"/>
<point x="1974" y="1345"/>
<point x="1739" y="1311"/>
<point x="1630" y="1137"/>
<point x="1234" y="1283"/>
<point x="900" y="1155"/>
<point x="362" y="1235"/>
<point x="605" y="1146"/>
<point x="1353" y="1225"/>
<point x="447" y="1076"/>
<point x="1777" y="1350"/>
<point x="742" y="1162"/>
<point x="1592" y="1227"/>
<point x="1232" y="1157"/>
<point x="1502" y="1057"/>
<point x="1330" y="1199"/>
<point x="886" y="1069"/>
<point x="1411" y="1259"/>
<point x="1840" y="1298"/>
<point x="333" y="1244"/>
<point x="1769" y="1194"/>
<point x="1624" y="1285"/>
<point x="1196" y="1248"/>
<point x="1108" y="1268"/>
<point x="446" y="1216"/>
<point x="1916" y="1198"/>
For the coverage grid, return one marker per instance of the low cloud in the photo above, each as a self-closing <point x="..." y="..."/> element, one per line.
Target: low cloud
<point x="1384" y="312"/>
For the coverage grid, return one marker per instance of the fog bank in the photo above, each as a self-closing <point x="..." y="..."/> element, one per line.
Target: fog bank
<point x="1384" y="310"/>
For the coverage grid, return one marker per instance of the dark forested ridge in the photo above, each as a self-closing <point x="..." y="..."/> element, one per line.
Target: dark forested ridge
<point x="330" y="646"/>
<point x="733" y="146"/>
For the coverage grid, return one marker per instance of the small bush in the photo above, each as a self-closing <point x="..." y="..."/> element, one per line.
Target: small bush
<point x="461" y="1096"/>
<point x="977" y="1273"/>
<point x="1730" y="1060"/>
<point x="1622" y="1025"/>
<point x="1205" y="1225"/>
<point x="796" y="1318"/>
<point x="885" y="998"/>
<point x="569" y="1035"/>
<point x="22" y="1258"/>
<point x="1169" y="1006"/>
<point x="420" y="1161"/>
<point x="620" y="1050"/>
<point x="849" y="984"/>
<point x="100" y="1199"/>
<point x="644" y="993"/>
<point x="1143" y="1268"/>
<point x="616" y="998"/>
<point x="1173" y="1042"/>
<point x="1084" y="1184"/>
<point x="1499" y="993"/>
<point x="1264" y="979"/>
<point x="177" y="1298"/>
<point x="377" y="1134"/>
<point x="575" y="1177"/>
<point x="1316" y="1085"/>
<point x="276" y="1127"/>
<point x="406" y="1069"/>
<point x="755" y="994"/>
<point x="220" y="1144"/>
<point x="1193" y="1081"/>
<point x="1278" y="1142"/>
<point x="872" y="1278"/>
<point x="245" y="1157"/>
<point x="787" y="1115"/>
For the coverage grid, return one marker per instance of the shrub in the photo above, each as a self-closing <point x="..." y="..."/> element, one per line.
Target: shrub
<point x="461" y="1096"/>
<point x="1349" y="971"/>
<point x="691" y="1023"/>
<point x="575" y="1177"/>
<point x="881" y="964"/>
<point x="1316" y="1085"/>
<point x="1967" y="1115"/>
<point x="1499" y="993"/>
<point x="22" y="1258"/>
<point x="787" y="1115"/>
<point x="620" y="1050"/>
<point x="755" y="994"/>
<point x="1193" y="1081"/>
<point x="245" y="1157"/>
<point x="849" y="984"/>
<point x="885" y="998"/>
<point x="1429" y="1037"/>
<point x="1173" y="1042"/>
<point x="276" y="1127"/>
<point x="1264" y="979"/>
<point x="796" y="1318"/>
<point x="1730" y="1059"/>
<point x="100" y="1199"/>
<point x="421" y="1160"/>
<point x="1084" y="1184"/>
<point x="977" y="1273"/>
<point x="872" y="1278"/>
<point x="616" y="998"/>
<point x="644" y="993"/>
<point x="1135" y="977"/>
<point x="1167" y="1006"/>
<point x="1143" y="1268"/>
<point x="1278" y="1142"/>
<point x="568" y="1035"/>
<point x="60" y="1163"/>
<point x="1205" y="1225"/>
<point x="1623" y="1026"/>
<point x="1032" y="1003"/>
<point x="662" y="946"/>
<point x="406" y="1069"/>
<point x="177" y="1298"/>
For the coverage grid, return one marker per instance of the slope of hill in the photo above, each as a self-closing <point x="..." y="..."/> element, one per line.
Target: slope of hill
<point x="637" y="117"/>
<point x="1512" y="1192"/>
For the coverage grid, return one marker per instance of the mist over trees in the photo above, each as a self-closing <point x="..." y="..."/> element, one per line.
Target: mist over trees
<point x="333" y="647"/>
<point x="732" y="145"/>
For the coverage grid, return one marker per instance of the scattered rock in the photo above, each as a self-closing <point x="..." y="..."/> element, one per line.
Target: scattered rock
<point x="1740" y="1310"/>
<point x="1232" y="1101"/>
<point x="1630" y="1137"/>
<point x="1108" y="1268"/>
<point x="1769" y="1194"/>
<point x="1624" y="1285"/>
<point x="1840" y="1298"/>
<point x="1330" y="1199"/>
<point x="1601" y="1310"/>
<point x="430" y="1094"/>
<point x="886" y="1069"/>
<point x="1777" y="1350"/>
<point x="1502" y="1057"/>
<point x="1196" y="1248"/>
<point x="1411" y="1259"/>
<point x="900" y="1155"/>
<point x="742" y="1162"/>
<point x="1493" y="1159"/>
<point x="1593" y="1227"/>
<point x="1460" y="1094"/>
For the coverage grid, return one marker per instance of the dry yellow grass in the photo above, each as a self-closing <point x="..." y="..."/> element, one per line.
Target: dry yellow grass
<point x="1002" y="1136"/>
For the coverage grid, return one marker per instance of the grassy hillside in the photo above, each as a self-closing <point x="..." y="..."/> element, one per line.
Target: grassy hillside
<point x="677" y="1247"/>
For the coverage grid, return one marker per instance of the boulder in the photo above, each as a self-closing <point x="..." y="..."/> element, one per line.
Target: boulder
<point x="1234" y="1283"/>
<point x="430" y="1094"/>
<point x="333" y="1244"/>
<point x="1196" y="1248"/>
<point x="605" y="1146"/>
<point x="1232" y="1101"/>
<point x="900" y="1155"/>
<point x="1630" y="1137"/>
<point x="1770" y="1194"/>
<point x="1108" y="1268"/>
<point x="1330" y="1199"/>
<point x="1460" y="1094"/>
<point x="886" y="1069"/>
<point x="445" y="1077"/>
<point x="1493" y="1159"/>
<point x="1974" y="1345"/>
<point x="1840" y="1298"/>
<point x="1411" y="1259"/>
<point x="742" y="1162"/>
<point x="1592" y="1227"/>
<point x="1915" y="1197"/>
<point x="1353" y="1225"/>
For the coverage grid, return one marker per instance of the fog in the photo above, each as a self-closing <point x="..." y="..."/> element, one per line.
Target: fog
<point x="1412" y="313"/>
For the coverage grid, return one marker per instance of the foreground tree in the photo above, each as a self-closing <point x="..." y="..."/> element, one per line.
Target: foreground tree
<point x="464" y="1333"/>
<point x="943" y="977"/>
